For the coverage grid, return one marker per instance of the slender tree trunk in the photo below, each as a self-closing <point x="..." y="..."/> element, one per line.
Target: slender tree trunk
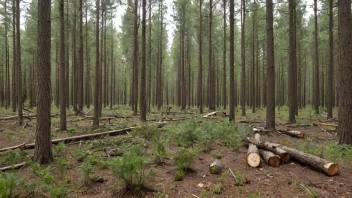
<point x="67" y="75"/>
<point x="232" y="63"/>
<point x="200" y="71"/>
<point x="63" y="125"/>
<point x="143" y="105"/>
<point x="291" y="68"/>
<point x="80" y="75"/>
<point x="270" y="93"/>
<point x="243" y="56"/>
<point x="150" y="56"/>
<point x="211" y="75"/>
<point x="316" y="61"/>
<point x="135" y="60"/>
<point x="253" y="63"/>
<point x="14" y="68"/>
<point x="345" y="68"/>
<point x="18" y="64"/>
<point x="42" y="152"/>
<point x="224" y="95"/>
<point x="97" y="68"/>
<point x="330" y="89"/>
<point x="88" y="90"/>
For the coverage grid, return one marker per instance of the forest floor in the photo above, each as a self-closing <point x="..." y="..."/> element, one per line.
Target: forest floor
<point x="96" y="168"/>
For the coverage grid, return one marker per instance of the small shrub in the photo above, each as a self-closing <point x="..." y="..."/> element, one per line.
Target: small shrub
<point x="58" y="149"/>
<point x="204" y="193"/>
<point x="11" y="156"/>
<point x="80" y="155"/>
<point x="160" y="151"/>
<point x="8" y="183"/>
<point x="217" y="189"/>
<point x="239" y="181"/>
<point x="62" y="163"/>
<point x="179" y="174"/>
<point x="57" y="191"/>
<point x="184" y="158"/>
<point x="186" y="134"/>
<point x="131" y="169"/>
<point x="86" y="169"/>
<point x="146" y="131"/>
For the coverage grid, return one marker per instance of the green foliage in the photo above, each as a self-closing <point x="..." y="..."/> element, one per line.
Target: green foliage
<point x="8" y="183"/>
<point x="159" y="150"/>
<point x="47" y="176"/>
<point x="58" y="191"/>
<point x="131" y="169"/>
<point x="80" y="154"/>
<point x="179" y="174"/>
<point x="239" y="181"/>
<point x="204" y="193"/>
<point x="254" y="195"/>
<point x="11" y="156"/>
<point x="58" y="149"/>
<point x="146" y="131"/>
<point x="72" y="130"/>
<point x="186" y="134"/>
<point x="86" y="169"/>
<point x="62" y="163"/>
<point x="183" y="159"/>
<point x="217" y="189"/>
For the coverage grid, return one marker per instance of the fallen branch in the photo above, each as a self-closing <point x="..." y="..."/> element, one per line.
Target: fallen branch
<point x="72" y="139"/>
<point x="210" y="115"/>
<point x="324" y="124"/>
<point x="324" y="130"/>
<point x="12" y="167"/>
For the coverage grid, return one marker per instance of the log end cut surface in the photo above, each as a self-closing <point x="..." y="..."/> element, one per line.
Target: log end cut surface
<point x="332" y="169"/>
<point x="274" y="161"/>
<point x="253" y="159"/>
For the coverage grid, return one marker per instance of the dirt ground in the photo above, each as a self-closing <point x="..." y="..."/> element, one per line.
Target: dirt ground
<point x="288" y="180"/>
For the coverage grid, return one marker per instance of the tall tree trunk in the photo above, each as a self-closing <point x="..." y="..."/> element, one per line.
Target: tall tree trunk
<point x="67" y="72"/>
<point x="291" y="67"/>
<point x="224" y="95"/>
<point x="345" y="68"/>
<point x="211" y="75"/>
<point x="18" y="64"/>
<point x="63" y="125"/>
<point x="135" y="59"/>
<point x="270" y="74"/>
<point x="330" y="89"/>
<point x="74" y="61"/>
<point x="143" y="106"/>
<point x="97" y="69"/>
<point x="316" y="61"/>
<point x="42" y="152"/>
<point x="14" y="68"/>
<point x="150" y="57"/>
<point x="243" y="56"/>
<point x="80" y="72"/>
<point x="253" y="63"/>
<point x="232" y="62"/>
<point x="200" y="69"/>
<point x="88" y="91"/>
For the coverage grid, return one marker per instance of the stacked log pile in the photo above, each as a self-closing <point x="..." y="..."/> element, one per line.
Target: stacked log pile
<point x="276" y="154"/>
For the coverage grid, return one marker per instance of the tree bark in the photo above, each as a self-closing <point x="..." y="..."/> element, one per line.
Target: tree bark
<point x="270" y="93"/>
<point x="243" y="55"/>
<point x="316" y="61"/>
<point x="291" y="65"/>
<point x="232" y="62"/>
<point x="270" y="158"/>
<point x="97" y="69"/>
<point x="330" y="89"/>
<point x="345" y="68"/>
<point x="224" y="95"/>
<point x="143" y="106"/>
<point x="80" y="72"/>
<point x="200" y="71"/>
<point x="211" y="73"/>
<point x="18" y="64"/>
<point x="62" y="81"/>
<point x="43" y="153"/>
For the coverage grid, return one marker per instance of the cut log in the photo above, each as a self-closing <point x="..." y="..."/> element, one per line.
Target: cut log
<point x="270" y="158"/>
<point x="329" y="168"/>
<point x="12" y="147"/>
<point x="6" y="168"/>
<point x="253" y="157"/>
<point x="210" y="115"/>
<point x="284" y="155"/>
<point x="292" y="133"/>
